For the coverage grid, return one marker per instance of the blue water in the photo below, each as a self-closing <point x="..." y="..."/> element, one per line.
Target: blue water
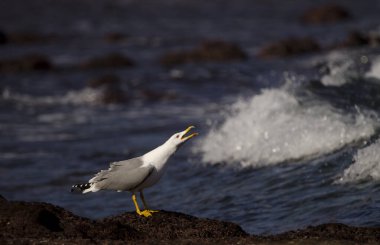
<point x="274" y="150"/>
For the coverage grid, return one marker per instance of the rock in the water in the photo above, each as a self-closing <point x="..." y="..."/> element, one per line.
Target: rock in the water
<point x="153" y="95"/>
<point x="357" y="39"/>
<point x="113" y="60"/>
<point x="2" y="199"/>
<point x="288" y="47"/>
<point x="113" y="95"/>
<point x="328" y="13"/>
<point x="3" y="38"/>
<point x="30" y="37"/>
<point x="105" y="80"/>
<point x="208" y="51"/>
<point x="115" y="37"/>
<point x="332" y="232"/>
<point x="112" y="92"/>
<point x="33" y="62"/>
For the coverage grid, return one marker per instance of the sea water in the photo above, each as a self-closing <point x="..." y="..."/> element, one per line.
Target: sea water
<point x="283" y="143"/>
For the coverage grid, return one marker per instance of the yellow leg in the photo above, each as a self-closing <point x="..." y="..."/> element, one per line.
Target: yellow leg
<point x="145" y="204"/>
<point x="145" y="213"/>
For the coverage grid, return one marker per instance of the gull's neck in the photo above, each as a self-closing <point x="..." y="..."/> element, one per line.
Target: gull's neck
<point x="160" y="155"/>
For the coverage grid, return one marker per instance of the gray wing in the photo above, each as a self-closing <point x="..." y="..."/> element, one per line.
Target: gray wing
<point x="123" y="175"/>
<point x="122" y="179"/>
<point x="125" y="165"/>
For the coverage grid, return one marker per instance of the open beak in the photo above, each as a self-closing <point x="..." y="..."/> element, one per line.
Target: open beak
<point x="184" y="137"/>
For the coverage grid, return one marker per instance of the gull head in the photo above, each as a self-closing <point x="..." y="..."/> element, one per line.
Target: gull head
<point x="179" y="138"/>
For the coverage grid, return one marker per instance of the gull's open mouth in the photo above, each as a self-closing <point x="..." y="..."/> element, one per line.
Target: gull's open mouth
<point x="184" y="137"/>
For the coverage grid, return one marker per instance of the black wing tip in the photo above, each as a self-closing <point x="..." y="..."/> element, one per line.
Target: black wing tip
<point x="80" y="187"/>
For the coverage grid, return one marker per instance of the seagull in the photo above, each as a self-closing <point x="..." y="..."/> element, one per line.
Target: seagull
<point x="136" y="174"/>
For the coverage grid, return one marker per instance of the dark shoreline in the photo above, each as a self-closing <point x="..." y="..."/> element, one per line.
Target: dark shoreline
<point x="35" y="223"/>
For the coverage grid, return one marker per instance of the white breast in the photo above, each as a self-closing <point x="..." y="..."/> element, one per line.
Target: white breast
<point x="158" y="159"/>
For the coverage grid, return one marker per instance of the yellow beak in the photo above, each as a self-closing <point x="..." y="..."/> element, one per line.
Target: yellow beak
<point x="184" y="137"/>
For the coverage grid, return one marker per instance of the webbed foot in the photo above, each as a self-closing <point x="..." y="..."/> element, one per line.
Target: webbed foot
<point x="147" y="213"/>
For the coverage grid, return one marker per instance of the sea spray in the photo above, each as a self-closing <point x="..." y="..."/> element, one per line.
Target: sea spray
<point x="275" y="126"/>
<point x="374" y="71"/>
<point x="365" y="166"/>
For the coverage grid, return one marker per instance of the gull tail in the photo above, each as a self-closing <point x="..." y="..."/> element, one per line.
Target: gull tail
<point x="82" y="187"/>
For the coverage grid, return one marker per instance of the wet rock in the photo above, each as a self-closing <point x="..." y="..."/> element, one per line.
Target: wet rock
<point x="113" y="37"/>
<point x="2" y="199"/>
<point x="357" y="39"/>
<point x="35" y="223"/>
<point x="30" y="37"/>
<point x="105" y="80"/>
<point x="153" y="95"/>
<point x="166" y="225"/>
<point x="113" y="95"/>
<point x="208" y="51"/>
<point x="111" y="91"/>
<point x="113" y="60"/>
<point x="329" y="13"/>
<point x="332" y="232"/>
<point x="288" y="47"/>
<point x="22" y="221"/>
<point x="3" y="38"/>
<point x="44" y="221"/>
<point x="33" y="62"/>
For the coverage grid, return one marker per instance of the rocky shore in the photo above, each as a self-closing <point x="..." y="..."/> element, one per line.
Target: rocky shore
<point x="36" y="223"/>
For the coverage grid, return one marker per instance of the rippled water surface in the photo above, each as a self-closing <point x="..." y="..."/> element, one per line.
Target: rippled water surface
<point x="283" y="143"/>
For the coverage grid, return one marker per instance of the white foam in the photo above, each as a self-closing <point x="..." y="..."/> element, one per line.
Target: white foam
<point x="89" y="96"/>
<point x="341" y="72"/>
<point x="366" y="165"/>
<point x="274" y="127"/>
<point x="374" y="71"/>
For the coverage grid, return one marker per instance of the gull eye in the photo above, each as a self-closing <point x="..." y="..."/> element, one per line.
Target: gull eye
<point x="177" y="136"/>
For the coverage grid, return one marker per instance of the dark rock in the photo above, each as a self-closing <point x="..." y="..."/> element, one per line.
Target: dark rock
<point x="328" y="13"/>
<point x="354" y="39"/>
<point x="357" y="39"/>
<point x="45" y="221"/>
<point x="331" y="232"/>
<point x="2" y="199"/>
<point x="166" y="225"/>
<point x="35" y="223"/>
<point x="221" y="51"/>
<point x="288" y="47"/>
<point x="113" y="95"/>
<point x="108" y="61"/>
<point x="22" y="221"/>
<point x="152" y="95"/>
<point x="29" y="37"/>
<point x="3" y="38"/>
<point x="105" y="80"/>
<point x="115" y="37"/>
<point x="33" y="62"/>
<point x="208" y="51"/>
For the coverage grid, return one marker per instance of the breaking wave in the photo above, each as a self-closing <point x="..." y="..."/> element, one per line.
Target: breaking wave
<point x="374" y="72"/>
<point x="275" y="127"/>
<point x="340" y="73"/>
<point x="366" y="165"/>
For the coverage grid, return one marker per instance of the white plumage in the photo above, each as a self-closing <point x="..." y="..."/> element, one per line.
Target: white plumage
<point x="138" y="173"/>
